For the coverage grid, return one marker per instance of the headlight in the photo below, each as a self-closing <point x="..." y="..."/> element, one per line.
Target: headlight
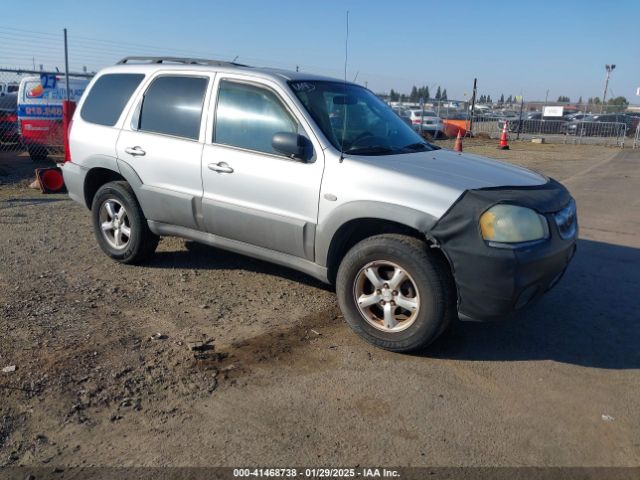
<point x="513" y="224"/>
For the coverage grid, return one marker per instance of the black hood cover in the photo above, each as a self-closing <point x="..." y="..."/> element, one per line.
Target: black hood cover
<point x="486" y="275"/>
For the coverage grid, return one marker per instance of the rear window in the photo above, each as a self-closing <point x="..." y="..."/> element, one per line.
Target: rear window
<point x="173" y="106"/>
<point x="108" y="96"/>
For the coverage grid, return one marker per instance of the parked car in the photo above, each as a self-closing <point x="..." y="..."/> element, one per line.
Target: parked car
<point x="431" y="123"/>
<point x="534" y="122"/>
<point x="40" y="112"/>
<point x="601" y="125"/>
<point x="9" y="118"/>
<point x="8" y="87"/>
<point x="248" y="160"/>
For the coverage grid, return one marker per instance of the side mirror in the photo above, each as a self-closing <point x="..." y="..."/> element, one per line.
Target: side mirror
<point x="292" y="145"/>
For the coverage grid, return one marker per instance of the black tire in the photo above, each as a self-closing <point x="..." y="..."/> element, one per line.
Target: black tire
<point x="37" y="154"/>
<point x="142" y="242"/>
<point x="434" y="283"/>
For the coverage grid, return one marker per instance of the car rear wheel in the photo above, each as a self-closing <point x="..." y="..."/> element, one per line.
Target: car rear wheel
<point x="395" y="293"/>
<point x="119" y="224"/>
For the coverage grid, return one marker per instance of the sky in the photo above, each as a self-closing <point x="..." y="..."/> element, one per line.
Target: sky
<point x="513" y="48"/>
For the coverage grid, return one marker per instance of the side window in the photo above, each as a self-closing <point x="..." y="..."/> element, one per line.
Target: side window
<point x="248" y="116"/>
<point x="108" y="96"/>
<point x="173" y="106"/>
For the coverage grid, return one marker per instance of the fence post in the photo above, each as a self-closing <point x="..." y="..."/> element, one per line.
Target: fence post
<point x="473" y="107"/>
<point x="68" y="107"/>
<point x="66" y="63"/>
<point x="520" y="118"/>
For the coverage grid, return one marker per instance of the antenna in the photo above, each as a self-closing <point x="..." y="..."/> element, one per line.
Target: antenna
<point x="344" y="92"/>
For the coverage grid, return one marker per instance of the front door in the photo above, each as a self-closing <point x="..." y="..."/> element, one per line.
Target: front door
<point x="253" y="194"/>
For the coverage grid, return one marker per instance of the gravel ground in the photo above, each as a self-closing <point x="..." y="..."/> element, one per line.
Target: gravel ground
<point x="203" y="357"/>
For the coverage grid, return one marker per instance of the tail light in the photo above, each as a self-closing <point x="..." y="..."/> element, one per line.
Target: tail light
<point x="68" y="109"/>
<point x="67" y="157"/>
<point x="416" y="121"/>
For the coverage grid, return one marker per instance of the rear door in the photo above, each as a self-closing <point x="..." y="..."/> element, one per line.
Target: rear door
<point x="253" y="194"/>
<point x="162" y="142"/>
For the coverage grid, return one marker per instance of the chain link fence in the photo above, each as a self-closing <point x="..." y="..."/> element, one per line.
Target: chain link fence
<point x="31" y="110"/>
<point x="575" y="125"/>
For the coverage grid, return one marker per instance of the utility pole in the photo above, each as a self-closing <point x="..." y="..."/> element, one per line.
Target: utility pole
<point x="609" y="69"/>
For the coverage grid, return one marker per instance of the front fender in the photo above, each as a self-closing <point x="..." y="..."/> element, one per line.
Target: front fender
<point x="366" y="209"/>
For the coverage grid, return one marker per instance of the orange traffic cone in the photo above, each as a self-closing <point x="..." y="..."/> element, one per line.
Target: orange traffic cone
<point x="50" y="180"/>
<point x="504" y="138"/>
<point x="458" y="145"/>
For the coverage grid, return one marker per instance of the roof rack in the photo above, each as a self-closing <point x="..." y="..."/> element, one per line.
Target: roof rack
<point x="181" y="60"/>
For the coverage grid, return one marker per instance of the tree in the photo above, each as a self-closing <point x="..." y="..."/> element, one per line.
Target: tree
<point x="444" y="94"/>
<point x="489" y="99"/>
<point x="617" y="104"/>
<point x="580" y="100"/>
<point x="393" y="96"/>
<point x="482" y="99"/>
<point x="510" y="99"/>
<point x="414" y="96"/>
<point x="423" y="92"/>
<point x="501" y="101"/>
<point x="563" y="98"/>
<point x="438" y="93"/>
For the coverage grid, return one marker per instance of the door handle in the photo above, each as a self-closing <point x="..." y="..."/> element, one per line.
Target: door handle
<point x="135" y="151"/>
<point x="221" y="167"/>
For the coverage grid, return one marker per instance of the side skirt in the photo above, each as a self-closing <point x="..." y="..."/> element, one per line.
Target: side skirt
<point x="296" y="263"/>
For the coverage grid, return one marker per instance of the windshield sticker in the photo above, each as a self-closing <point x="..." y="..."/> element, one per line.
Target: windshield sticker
<point x="303" y="86"/>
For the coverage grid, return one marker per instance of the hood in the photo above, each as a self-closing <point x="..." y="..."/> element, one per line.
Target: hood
<point x="429" y="182"/>
<point x="459" y="171"/>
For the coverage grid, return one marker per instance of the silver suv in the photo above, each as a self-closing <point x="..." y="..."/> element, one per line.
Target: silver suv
<point x="321" y="176"/>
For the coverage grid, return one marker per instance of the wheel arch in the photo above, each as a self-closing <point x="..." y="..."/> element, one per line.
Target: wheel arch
<point x="105" y="170"/>
<point x="95" y="178"/>
<point x="331" y="248"/>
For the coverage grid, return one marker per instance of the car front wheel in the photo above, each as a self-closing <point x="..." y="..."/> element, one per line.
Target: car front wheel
<point x="395" y="293"/>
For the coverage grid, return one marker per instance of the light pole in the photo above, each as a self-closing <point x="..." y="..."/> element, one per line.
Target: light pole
<point x="609" y="69"/>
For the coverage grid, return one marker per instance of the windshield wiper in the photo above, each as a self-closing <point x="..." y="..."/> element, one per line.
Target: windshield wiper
<point x="416" y="146"/>
<point x="372" y="150"/>
<point x="420" y="146"/>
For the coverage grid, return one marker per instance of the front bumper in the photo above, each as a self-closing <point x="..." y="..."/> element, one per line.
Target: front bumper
<point x="512" y="279"/>
<point x="494" y="282"/>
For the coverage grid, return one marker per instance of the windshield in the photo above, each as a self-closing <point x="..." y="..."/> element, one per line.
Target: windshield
<point x="356" y="121"/>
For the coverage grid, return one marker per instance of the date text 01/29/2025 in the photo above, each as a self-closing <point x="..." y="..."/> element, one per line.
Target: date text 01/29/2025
<point x="315" y="473"/>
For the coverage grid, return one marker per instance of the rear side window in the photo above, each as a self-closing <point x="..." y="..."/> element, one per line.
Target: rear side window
<point x="248" y="116"/>
<point x="108" y="96"/>
<point x="173" y="106"/>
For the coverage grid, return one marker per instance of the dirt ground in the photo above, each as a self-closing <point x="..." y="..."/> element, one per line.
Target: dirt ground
<point x="204" y="358"/>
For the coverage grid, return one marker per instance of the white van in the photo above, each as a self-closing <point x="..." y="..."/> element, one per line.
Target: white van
<point x="8" y="87"/>
<point x="40" y="111"/>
